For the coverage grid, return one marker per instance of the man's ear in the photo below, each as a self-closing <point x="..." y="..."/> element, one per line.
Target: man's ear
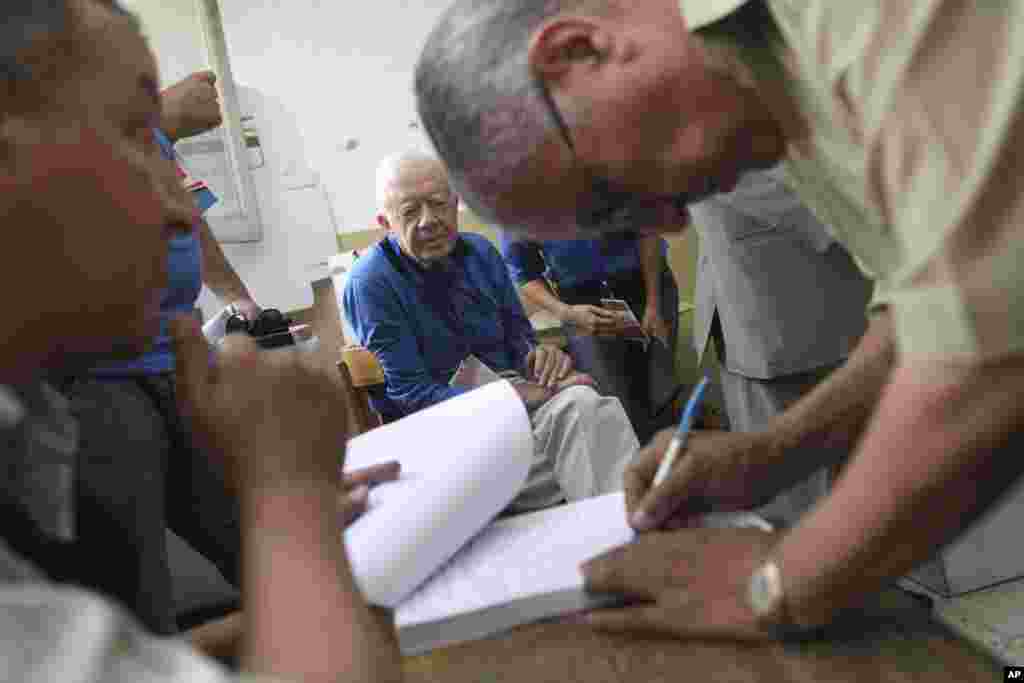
<point x="383" y="222"/>
<point x="566" y="43"/>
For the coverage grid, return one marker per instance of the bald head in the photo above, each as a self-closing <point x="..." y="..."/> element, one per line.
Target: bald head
<point x="391" y="169"/>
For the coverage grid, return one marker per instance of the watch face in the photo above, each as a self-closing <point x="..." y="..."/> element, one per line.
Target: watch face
<point x="763" y="594"/>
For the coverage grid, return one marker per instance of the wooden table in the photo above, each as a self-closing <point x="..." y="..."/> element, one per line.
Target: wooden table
<point x="895" y="640"/>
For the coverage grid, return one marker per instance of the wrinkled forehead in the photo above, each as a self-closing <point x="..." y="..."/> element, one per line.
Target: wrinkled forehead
<point x="419" y="179"/>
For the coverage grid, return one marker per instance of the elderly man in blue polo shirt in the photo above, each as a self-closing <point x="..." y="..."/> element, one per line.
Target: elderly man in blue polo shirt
<point x="624" y="266"/>
<point x="426" y="298"/>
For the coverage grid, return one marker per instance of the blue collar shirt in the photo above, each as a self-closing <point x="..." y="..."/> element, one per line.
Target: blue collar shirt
<point x="422" y="323"/>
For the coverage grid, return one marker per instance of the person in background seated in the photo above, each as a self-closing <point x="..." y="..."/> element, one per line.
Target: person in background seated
<point x="81" y="172"/>
<point x="584" y="271"/>
<point x="785" y="305"/>
<point x="139" y="470"/>
<point x="426" y="298"/>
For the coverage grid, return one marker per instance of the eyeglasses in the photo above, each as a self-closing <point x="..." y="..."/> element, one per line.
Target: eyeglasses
<point x="411" y="212"/>
<point x="563" y="127"/>
<point x="609" y="207"/>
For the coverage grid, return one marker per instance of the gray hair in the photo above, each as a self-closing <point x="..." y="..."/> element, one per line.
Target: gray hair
<point x="479" y="103"/>
<point x="391" y="167"/>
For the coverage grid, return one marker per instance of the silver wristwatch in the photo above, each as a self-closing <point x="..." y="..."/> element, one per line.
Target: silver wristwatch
<point x="765" y="594"/>
<point x="766" y="598"/>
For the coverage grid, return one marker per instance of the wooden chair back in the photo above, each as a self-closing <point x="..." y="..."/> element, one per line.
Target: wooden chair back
<point x="360" y="373"/>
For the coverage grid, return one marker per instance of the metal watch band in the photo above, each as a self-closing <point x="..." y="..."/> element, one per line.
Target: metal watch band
<point x="767" y="600"/>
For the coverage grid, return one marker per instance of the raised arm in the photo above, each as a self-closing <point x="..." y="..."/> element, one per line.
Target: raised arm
<point x="191" y="106"/>
<point x="220" y="276"/>
<point x="279" y="425"/>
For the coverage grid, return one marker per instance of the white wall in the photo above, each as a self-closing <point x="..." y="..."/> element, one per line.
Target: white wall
<point x="344" y="70"/>
<point x="315" y="74"/>
<point x="174" y="33"/>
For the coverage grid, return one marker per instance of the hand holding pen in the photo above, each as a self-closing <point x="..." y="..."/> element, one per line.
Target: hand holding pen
<point x="681" y="475"/>
<point x="682" y="434"/>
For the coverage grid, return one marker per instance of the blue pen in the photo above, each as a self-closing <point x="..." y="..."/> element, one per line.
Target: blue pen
<point x="682" y="434"/>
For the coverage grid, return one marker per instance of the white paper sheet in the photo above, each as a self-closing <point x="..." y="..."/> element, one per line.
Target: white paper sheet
<point x="463" y="460"/>
<point x="532" y="556"/>
<point x="473" y="373"/>
<point x="521" y="557"/>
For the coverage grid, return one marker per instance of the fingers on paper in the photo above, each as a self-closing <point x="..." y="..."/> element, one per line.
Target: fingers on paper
<point x="374" y="474"/>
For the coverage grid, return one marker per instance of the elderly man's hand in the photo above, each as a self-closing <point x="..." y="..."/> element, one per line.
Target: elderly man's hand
<point x="355" y="488"/>
<point x="191" y="106"/>
<point x="532" y="394"/>
<point x="576" y="379"/>
<point x="717" y="471"/>
<point x="687" y="583"/>
<point x="548" y="365"/>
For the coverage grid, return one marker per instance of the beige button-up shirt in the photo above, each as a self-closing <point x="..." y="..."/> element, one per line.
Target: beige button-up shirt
<point x="916" y="157"/>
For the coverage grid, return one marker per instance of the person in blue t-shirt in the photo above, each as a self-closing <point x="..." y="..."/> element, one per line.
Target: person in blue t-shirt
<point x="139" y="472"/>
<point x="584" y="271"/>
